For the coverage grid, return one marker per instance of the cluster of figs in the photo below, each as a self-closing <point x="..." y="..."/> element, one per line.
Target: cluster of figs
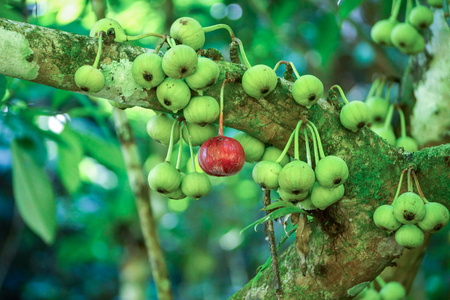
<point x="406" y="36"/>
<point x="392" y="290"/>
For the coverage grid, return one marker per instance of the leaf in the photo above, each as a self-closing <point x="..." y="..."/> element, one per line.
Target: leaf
<point x="302" y="241"/>
<point x="347" y="6"/>
<point x="277" y="204"/>
<point x="70" y="154"/>
<point x="3" y="86"/>
<point x="274" y="215"/>
<point x="33" y="193"/>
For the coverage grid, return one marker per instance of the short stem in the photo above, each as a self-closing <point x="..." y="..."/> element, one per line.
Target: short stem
<point x="446" y="13"/>
<point x="418" y="188"/>
<point x="220" y="26"/>
<point x="221" y="108"/>
<point x="180" y="148"/>
<point x="190" y="147"/>
<point x="172" y="131"/>
<point x="294" y="69"/>
<point x="144" y="35"/>
<point x="244" y="57"/>
<point x="308" y="152"/>
<point x="319" y="141"/>
<point x="410" y="185"/>
<point x="409" y="6"/>
<point x="296" y="142"/>
<point x="171" y="42"/>
<point x="373" y="88"/>
<point x="394" y="15"/>
<point x="286" y="148"/>
<point x="316" y="151"/>
<point x="390" y="113"/>
<point x="418" y="3"/>
<point x="388" y="92"/>
<point x="380" y="280"/>
<point x="380" y="87"/>
<point x="402" y="122"/>
<point x="160" y="44"/>
<point x="399" y="187"/>
<point x="340" y="92"/>
<point x="99" y="52"/>
<point x="281" y="62"/>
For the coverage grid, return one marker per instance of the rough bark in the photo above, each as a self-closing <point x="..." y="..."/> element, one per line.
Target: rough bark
<point x="347" y="251"/>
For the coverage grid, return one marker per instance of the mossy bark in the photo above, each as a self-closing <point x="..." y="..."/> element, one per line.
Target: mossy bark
<point x="347" y="249"/>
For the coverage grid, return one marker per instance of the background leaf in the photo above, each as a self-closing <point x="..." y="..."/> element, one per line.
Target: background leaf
<point x="347" y="6"/>
<point x="70" y="154"/>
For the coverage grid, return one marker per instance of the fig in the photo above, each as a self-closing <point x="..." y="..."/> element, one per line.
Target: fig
<point x="381" y="32"/>
<point x="189" y="32"/>
<point x="265" y="173"/>
<point x="409" y="236"/>
<point x="201" y="110"/>
<point x="322" y="197"/>
<point x="253" y="148"/>
<point x="307" y="90"/>
<point x="179" y="62"/>
<point x="199" y="134"/>
<point x="173" y="94"/>
<point x="147" y="70"/>
<point x="355" y="115"/>
<point x="89" y="79"/>
<point x="158" y="128"/>
<point x="259" y="81"/>
<point x="164" y="178"/>
<point x="204" y="76"/>
<point x="331" y="172"/>
<point x="408" y="143"/>
<point x="409" y="208"/>
<point x="272" y="153"/>
<point x="393" y="291"/>
<point x="421" y="17"/>
<point x="196" y="185"/>
<point x="404" y="35"/>
<point x="436" y="217"/>
<point x="378" y="109"/>
<point x="109" y="26"/>
<point x="296" y="177"/>
<point x="384" y="218"/>
<point x="287" y="196"/>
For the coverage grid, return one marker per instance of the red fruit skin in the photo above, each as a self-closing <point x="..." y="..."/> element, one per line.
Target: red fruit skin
<point x="221" y="156"/>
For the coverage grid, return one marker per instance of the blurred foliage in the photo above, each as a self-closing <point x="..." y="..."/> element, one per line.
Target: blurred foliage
<point x="74" y="145"/>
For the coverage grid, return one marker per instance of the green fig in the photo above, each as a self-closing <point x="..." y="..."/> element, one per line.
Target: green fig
<point x="259" y="81"/>
<point x="201" y="110"/>
<point x="147" y="70"/>
<point x="409" y="208"/>
<point x="393" y="291"/>
<point x="164" y="178"/>
<point x="381" y="32"/>
<point x="173" y="94"/>
<point x="178" y="193"/>
<point x="409" y="236"/>
<point x="386" y="133"/>
<point x="109" y="26"/>
<point x="204" y="76"/>
<point x="421" y="17"/>
<point x="416" y="48"/>
<point x="179" y="62"/>
<point x="408" y="143"/>
<point x="296" y="177"/>
<point x="436" y="3"/>
<point x="265" y="173"/>
<point x="331" y="171"/>
<point x="89" y="79"/>
<point x="355" y="115"/>
<point x="368" y="294"/>
<point x="189" y="32"/>
<point x="253" y="148"/>
<point x="404" y="35"/>
<point x="378" y="109"/>
<point x="196" y="185"/>
<point x="436" y="217"/>
<point x="307" y="90"/>
<point x="384" y="218"/>
<point x="199" y="134"/>
<point x="272" y="153"/>
<point x="322" y="197"/>
<point x="289" y="197"/>
<point x="159" y="127"/>
<point x="306" y="204"/>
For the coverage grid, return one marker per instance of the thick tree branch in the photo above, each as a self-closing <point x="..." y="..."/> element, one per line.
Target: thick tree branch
<point x="347" y="249"/>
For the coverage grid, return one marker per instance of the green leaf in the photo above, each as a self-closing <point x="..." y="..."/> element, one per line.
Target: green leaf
<point x="277" y="204"/>
<point x="33" y="193"/>
<point x="70" y="154"/>
<point x="2" y="86"/>
<point x="275" y="215"/>
<point x="347" y="6"/>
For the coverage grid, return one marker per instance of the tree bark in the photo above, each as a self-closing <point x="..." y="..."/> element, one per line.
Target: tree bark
<point x="348" y="250"/>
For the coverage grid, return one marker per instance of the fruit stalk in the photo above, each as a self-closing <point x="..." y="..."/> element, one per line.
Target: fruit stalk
<point x="296" y="148"/>
<point x="99" y="52"/>
<point x="380" y="280"/>
<point x="286" y="148"/>
<point x="402" y="123"/>
<point x="373" y="88"/>
<point x="418" y="187"/>
<point x="180" y="148"/>
<point x="244" y="57"/>
<point x="169" y="151"/>
<point x="160" y="44"/>
<point x="281" y="62"/>
<point x="221" y="108"/>
<point x="220" y="26"/>
<point x="341" y="92"/>
<point x="409" y="7"/>
<point x="144" y="35"/>
<point x="396" y="10"/>
<point x="294" y="69"/>
<point x="389" y="115"/>
<point x="194" y="169"/>
<point x="410" y="186"/>
<point x="319" y="141"/>
<point x="316" y="151"/>
<point x="308" y="152"/>
<point x="399" y="187"/>
<point x="380" y="87"/>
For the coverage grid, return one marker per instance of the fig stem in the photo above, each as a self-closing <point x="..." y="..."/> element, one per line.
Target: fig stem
<point x="294" y="69"/>
<point x="418" y="188"/>
<point x="319" y="141"/>
<point x="144" y="35"/>
<point x="160" y="44"/>
<point x="388" y="92"/>
<point x="99" y="52"/>
<point x="399" y="186"/>
<point x="316" y="151"/>
<point x="410" y="185"/>
<point x="308" y="152"/>
<point x="390" y="113"/>
<point x="296" y="142"/>
<point x="172" y="131"/>
<point x="221" y="108"/>
<point x="409" y="7"/>
<point x="286" y="148"/>
<point x="340" y="92"/>
<point x="191" y="150"/>
<point x="220" y="26"/>
<point x="396" y="10"/>
<point x="380" y="280"/>
<point x="244" y="57"/>
<point x="402" y="122"/>
<point x="171" y="42"/>
<point x="180" y="148"/>
<point x="380" y="87"/>
<point x="373" y="87"/>
<point x="281" y="62"/>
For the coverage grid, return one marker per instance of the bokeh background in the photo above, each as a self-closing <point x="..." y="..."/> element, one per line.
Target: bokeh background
<point x="99" y="252"/>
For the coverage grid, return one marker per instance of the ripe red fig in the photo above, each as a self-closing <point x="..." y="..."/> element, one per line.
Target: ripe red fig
<point x="221" y="156"/>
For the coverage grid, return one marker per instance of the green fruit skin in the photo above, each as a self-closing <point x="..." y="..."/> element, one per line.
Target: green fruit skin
<point x="404" y="35"/>
<point x="378" y="109"/>
<point x="381" y="32"/>
<point x="289" y="197"/>
<point x="384" y="218"/>
<point x="409" y="236"/>
<point x="408" y="143"/>
<point x="421" y="17"/>
<point x="385" y="133"/>
<point x="416" y="48"/>
<point x="409" y="208"/>
<point x="201" y="110"/>
<point x="436" y="3"/>
<point x="355" y="115"/>
<point x="272" y="153"/>
<point x="205" y="75"/>
<point x="259" y="81"/>
<point x="393" y="291"/>
<point x="159" y="127"/>
<point x="189" y="32"/>
<point x="164" y="178"/>
<point x="196" y="185"/>
<point x="307" y="90"/>
<point x="265" y="173"/>
<point x="179" y="62"/>
<point x="173" y="94"/>
<point x="199" y="134"/>
<point x="89" y="79"/>
<point x="253" y="148"/>
<point x="322" y="197"/>
<point x="368" y="294"/>
<point x="178" y="193"/>
<point x="104" y="25"/>
<point x="436" y="217"/>
<point x="296" y="177"/>
<point x="331" y="171"/>
<point x="306" y="204"/>
<point x="147" y="70"/>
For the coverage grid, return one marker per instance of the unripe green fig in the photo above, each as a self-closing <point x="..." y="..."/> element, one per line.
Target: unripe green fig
<point x="173" y="94"/>
<point x="409" y="236"/>
<point x="204" y="76"/>
<point x="409" y="208"/>
<point x="272" y="153"/>
<point x="296" y="177"/>
<point x="408" y="143"/>
<point x="196" y="185"/>
<point x="196" y="165"/>
<point x="306" y="204"/>
<point x="355" y="115"/>
<point x="436" y="217"/>
<point x="393" y="291"/>
<point x="369" y="294"/>
<point x="386" y="133"/>
<point x="378" y="109"/>
<point x="164" y="178"/>
<point x="418" y="47"/>
<point x="404" y="35"/>
<point x="289" y="197"/>
<point x="253" y="148"/>
<point x="307" y="90"/>
<point x="259" y="81"/>
<point x="201" y="110"/>
<point x="421" y="17"/>
<point x="381" y="32"/>
<point x="159" y="127"/>
<point x="147" y="70"/>
<point x="189" y="32"/>
<point x="199" y="134"/>
<point x="384" y="218"/>
<point x="322" y="197"/>
<point x="179" y="62"/>
<point x="89" y="79"/>
<point x="178" y="193"/>
<point x="436" y="3"/>
<point x="109" y="26"/>
<point x="331" y="172"/>
<point x="265" y="173"/>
